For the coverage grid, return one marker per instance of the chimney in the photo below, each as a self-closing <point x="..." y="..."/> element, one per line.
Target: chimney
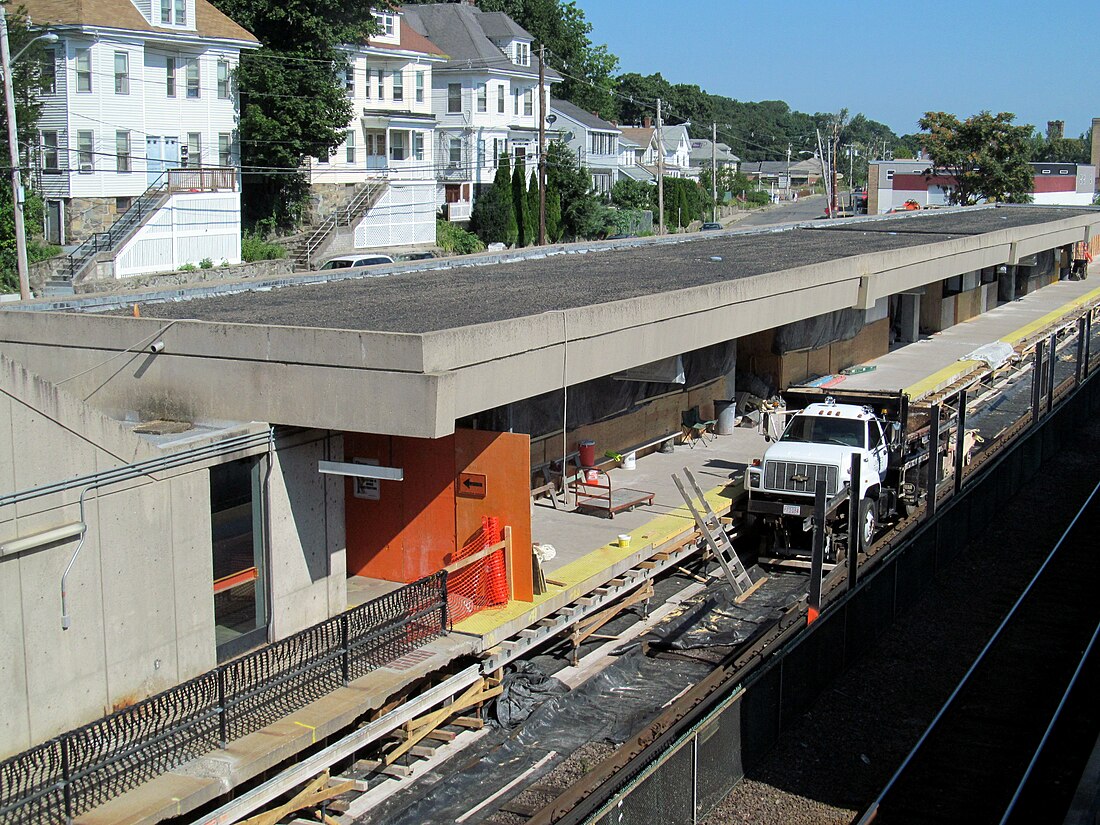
<point x="647" y="122"/>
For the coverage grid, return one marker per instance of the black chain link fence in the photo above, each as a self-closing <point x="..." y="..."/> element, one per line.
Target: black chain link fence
<point x="62" y="778"/>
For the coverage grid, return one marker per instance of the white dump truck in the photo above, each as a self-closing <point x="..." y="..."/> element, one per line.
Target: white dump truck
<point x="824" y="431"/>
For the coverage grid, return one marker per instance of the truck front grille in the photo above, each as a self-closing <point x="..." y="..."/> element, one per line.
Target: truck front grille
<point x="787" y="477"/>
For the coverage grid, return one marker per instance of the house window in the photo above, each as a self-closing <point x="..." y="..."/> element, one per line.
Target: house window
<point x="170" y="76"/>
<point x="516" y="94"/>
<point x="48" y="71"/>
<point x="225" y="149"/>
<point x="481" y="153"/>
<point x="952" y="286"/>
<point x="239" y="561"/>
<point x="528" y="102"/>
<point x="223" y="80"/>
<point x="418" y="145"/>
<point x="499" y="148"/>
<point x="522" y="54"/>
<point x="49" y="153"/>
<point x="482" y="97"/>
<point x="385" y="24"/>
<point x="454" y="98"/>
<point x="366" y="90"/>
<point x="181" y="13"/>
<point x="454" y="152"/>
<point x="194" y="150"/>
<point x="381" y="85"/>
<point x="122" y="205"/>
<point x="397" y="146"/>
<point x="193" y="78"/>
<point x="83" y="70"/>
<point x="420" y="87"/>
<point x="85" y="151"/>
<point x="122" y="151"/>
<point x="398" y="85"/>
<point x="166" y="12"/>
<point x="349" y="143"/>
<point x="122" y="73"/>
<point x="500" y="99"/>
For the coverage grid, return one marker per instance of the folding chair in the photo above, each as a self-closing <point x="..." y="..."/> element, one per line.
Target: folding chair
<point x="695" y="428"/>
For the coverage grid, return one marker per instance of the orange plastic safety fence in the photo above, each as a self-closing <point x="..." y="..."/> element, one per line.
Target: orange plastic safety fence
<point x="480" y="584"/>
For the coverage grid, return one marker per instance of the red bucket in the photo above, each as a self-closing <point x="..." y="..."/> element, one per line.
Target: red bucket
<point x="588" y="453"/>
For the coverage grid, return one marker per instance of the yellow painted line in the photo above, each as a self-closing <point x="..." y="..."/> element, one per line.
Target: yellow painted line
<point x="1048" y="319"/>
<point x="312" y="730"/>
<point x="655" y="532"/>
<point x="948" y="374"/>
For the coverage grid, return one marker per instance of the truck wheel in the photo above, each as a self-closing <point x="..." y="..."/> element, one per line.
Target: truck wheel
<point x="866" y="523"/>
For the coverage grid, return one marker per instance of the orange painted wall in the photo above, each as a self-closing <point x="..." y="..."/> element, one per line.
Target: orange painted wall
<point x="414" y="527"/>
<point x="410" y="530"/>
<point x="505" y="460"/>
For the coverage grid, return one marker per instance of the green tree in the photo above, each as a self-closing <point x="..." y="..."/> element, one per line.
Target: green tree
<point x="553" y="214"/>
<point x="519" y="198"/>
<point x="533" y="208"/>
<point x="494" y="214"/>
<point x="986" y="154"/>
<point x="293" y="103"/>
<point x="631" y="194"/>
<point x="580" y="216"/>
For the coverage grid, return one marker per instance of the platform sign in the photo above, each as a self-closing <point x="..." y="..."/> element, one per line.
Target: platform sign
<point x="471" y="485"/>
<point x="367" y="488"/>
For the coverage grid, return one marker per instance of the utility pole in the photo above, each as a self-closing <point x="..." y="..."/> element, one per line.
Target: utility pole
<point x="542" y="144"/>
<point x="660" y="175"/>
<point x="789" y="147"/>
<point x="714" y="171"/>
<point x="833" y="146"/>
<point x="824" y="170"/>
<point x="13" y="151"/>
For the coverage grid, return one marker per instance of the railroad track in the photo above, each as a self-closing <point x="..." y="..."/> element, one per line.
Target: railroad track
<point x="1006" y="745"/>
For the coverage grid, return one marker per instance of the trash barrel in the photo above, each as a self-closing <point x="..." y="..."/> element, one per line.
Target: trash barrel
<point x="725" y="412"/>
<point x="588" y="453"/>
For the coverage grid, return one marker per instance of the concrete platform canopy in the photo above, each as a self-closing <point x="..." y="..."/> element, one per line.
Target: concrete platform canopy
<point x="410" y="353"/>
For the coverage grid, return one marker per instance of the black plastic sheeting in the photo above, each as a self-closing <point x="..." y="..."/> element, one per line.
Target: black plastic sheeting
<point x="523" y="689"/>
<point x="714" y="618"/>
<point x="612" y="706"/>
<point x="607" y="397"/>
<point x="813" y="333"/>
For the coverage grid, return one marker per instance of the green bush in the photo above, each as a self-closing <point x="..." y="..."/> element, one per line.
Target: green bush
<point x="188" y="267"/>
<point x="206" y="263"/>
<point x="455" y="239"/>
<point x="255" y="248"/>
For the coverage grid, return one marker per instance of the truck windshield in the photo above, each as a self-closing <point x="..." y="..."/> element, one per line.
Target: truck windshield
<point x="822" y="430"/>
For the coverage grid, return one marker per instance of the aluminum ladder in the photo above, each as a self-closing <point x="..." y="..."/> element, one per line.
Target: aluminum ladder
<point x="715" y="536"/>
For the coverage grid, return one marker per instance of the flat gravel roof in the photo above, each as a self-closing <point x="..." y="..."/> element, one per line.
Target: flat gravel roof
<point x="432" y="300"/>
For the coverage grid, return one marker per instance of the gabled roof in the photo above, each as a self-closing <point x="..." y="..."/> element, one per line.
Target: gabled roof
<point x="459" y="31"/>
<point x="122" y="14"/>
<point x="641" y="135"/>
<point x="671" y="136"/>
<point x="765" y="167"/>
<point x="411" y="41"/>
<point x="637" y="172"/>
<point x="701" y="151"/>
<point x="499" y="26"/>
<point x="574" y="112"/>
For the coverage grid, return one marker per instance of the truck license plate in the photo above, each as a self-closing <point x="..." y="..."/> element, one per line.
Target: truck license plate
<point x="791" y="509"/>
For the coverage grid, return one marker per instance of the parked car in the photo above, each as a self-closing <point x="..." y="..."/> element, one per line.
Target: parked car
<point x="350" y="261"/>
<point x="414" y="256"/>
<point x="709" y="225"/>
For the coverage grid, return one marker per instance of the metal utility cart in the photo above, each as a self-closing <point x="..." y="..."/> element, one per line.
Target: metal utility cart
<point x="598" y="495"/>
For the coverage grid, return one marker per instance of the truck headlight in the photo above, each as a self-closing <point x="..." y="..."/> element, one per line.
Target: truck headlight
<point x="754" y="478"/>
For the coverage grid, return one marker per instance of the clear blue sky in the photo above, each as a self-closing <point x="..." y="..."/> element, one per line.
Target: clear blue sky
<point x="892" y="61"/>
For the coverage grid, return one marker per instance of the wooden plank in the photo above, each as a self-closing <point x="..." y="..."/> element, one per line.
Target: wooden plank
<point x="376" y="766"/>
<point x="756" y="586"/>
<point x="471" y="722"/>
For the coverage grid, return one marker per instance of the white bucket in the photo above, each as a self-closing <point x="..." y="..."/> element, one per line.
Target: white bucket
<point x="629" y="461"/>
<point x="624" y="540"/>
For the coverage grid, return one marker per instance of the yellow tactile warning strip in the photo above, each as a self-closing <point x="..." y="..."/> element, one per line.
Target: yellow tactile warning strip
<point x="583" y="575"/>
<point x="941" y="378"/>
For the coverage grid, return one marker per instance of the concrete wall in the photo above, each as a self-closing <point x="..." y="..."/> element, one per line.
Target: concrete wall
<point x="306" y="542"/>
<point x="140" y="590"/>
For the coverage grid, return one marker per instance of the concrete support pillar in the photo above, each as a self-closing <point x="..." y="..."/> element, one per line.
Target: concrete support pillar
<point x="909" y="317"/>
